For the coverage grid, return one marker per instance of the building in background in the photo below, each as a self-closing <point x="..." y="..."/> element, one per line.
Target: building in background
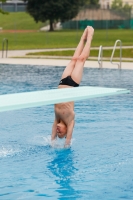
<point x="13" y="6"/>
<point x="14" y="1"/>
<point x="106" y="4"/>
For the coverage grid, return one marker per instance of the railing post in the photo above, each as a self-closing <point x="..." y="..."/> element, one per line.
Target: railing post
<point x="3" y="45"/>
<point x="111" y="59"/>
<point x="100" y="57"/>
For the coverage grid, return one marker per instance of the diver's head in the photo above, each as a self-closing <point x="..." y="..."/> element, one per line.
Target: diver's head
<point x="61" y="129"/>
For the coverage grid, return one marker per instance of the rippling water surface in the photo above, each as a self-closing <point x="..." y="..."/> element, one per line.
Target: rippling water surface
<point x="100" y="161"/>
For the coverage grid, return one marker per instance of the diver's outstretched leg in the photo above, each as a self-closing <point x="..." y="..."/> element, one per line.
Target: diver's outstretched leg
<point x="78" y="69"/>
<point x="70" y="67"/>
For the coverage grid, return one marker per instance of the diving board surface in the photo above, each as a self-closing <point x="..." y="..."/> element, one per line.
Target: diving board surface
<point x="46" y="97"/>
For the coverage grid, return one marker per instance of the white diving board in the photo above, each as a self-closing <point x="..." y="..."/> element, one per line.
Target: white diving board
<point x="46" y="97"/>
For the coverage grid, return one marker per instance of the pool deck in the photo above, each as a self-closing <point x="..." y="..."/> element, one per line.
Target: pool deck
<point x="19" y="58"/>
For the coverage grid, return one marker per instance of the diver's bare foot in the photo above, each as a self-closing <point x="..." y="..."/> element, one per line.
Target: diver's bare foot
<point x="90" y="32"/>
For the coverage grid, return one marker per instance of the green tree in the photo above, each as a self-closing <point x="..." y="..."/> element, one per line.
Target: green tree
<point x="125" y="9"/>
<point x="43" y="10"/>
<point x="1" y="11"/>
<point x="92" y="2"/>
<point x="117" y="5"/>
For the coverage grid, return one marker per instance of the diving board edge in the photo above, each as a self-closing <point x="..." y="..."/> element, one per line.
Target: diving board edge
<point x="31" y="103"/>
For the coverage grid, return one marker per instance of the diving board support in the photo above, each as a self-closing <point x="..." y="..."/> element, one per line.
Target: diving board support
<point x="53" y="96"/>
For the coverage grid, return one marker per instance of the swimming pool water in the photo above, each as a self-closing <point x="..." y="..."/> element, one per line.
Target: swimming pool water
<point x="100" y="161"/>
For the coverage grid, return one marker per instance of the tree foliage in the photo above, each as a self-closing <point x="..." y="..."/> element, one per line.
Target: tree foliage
<point x="125" y="9"/>
<point x="2" y="11"/>
<point x="92" y="3"/>
<point x="52" y="10"/>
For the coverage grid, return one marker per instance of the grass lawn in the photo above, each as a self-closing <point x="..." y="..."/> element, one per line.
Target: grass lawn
<point x="57" y="39"/>
<point x="64" y="39"/>
<point x="126" y="53"/>
<point x="18" y="21"/>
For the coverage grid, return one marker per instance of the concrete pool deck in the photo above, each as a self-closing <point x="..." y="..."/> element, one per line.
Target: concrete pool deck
<point x="22" y="59"/>
<point x="61" y="62"/>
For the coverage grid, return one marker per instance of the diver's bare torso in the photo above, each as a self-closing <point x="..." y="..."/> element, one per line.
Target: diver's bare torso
<point x="64" y="111"/>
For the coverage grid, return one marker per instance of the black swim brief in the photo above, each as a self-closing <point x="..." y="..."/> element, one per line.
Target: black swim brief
<point x="68" y="81"/>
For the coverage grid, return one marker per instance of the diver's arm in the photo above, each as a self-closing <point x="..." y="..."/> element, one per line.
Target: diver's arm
<point x="69" y="134"/>
<point x="54" y="131"/>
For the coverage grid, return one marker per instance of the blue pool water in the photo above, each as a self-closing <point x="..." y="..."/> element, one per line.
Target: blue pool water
<point x="99" y="164"/>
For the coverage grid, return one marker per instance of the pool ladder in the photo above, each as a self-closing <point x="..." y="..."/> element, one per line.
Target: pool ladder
<point x="111" y="59"/>
<point x="100" y="55"/>
<point x="5" y="41"/>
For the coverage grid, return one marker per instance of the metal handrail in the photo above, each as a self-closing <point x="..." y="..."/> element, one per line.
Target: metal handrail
<point x="119" y="64"/>
<point x="3" y="45"/>
<point x="100" y="57"/>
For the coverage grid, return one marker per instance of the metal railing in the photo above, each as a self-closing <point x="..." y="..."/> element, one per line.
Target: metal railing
<point x="5" y="40"/>
<point x="100" y="57"/>
<point x="111" y="59"/>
